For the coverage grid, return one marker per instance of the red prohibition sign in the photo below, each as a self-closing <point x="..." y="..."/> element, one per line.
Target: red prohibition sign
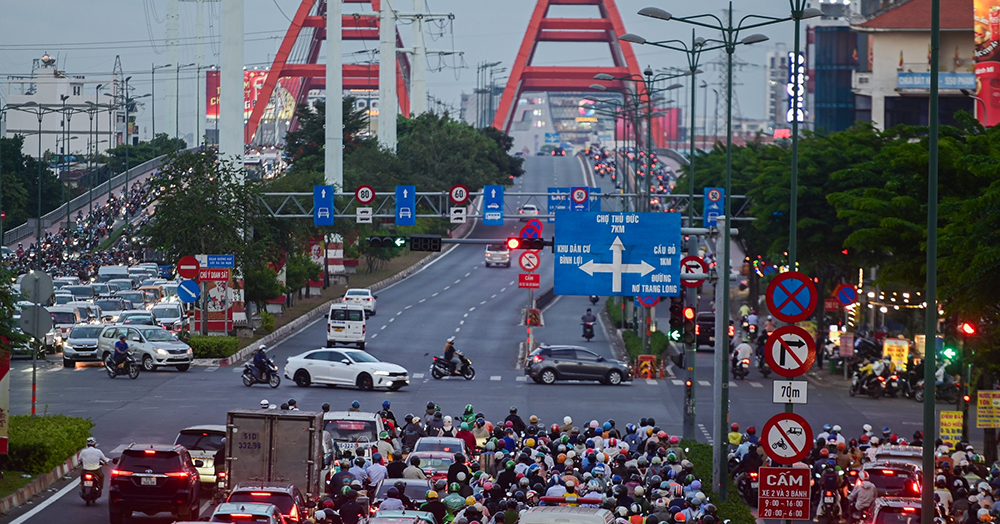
<point x="791" y="297"/>
<point x="787" y="438"/>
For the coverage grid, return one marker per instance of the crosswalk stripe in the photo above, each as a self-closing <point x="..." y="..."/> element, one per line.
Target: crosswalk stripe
<point x="651" y="382"/>
<point x="756" y="384"/>
<point x="521" y="379"/>
<point x="211" y="369"/>
<point x="418" y="376"/>
<point x="733" y="384"/>
<point x="496" y="377"/>
<point x="678" y="382"/>
<point x="704" y="383"/>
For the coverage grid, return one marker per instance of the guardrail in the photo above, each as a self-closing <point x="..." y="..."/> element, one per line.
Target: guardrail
<point x="28" y="228"/>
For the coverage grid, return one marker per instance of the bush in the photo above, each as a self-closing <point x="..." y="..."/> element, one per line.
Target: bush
<point x="633" y="344"/>
<point x="614" y="311"/>
<point x="39" y="444"/>
<point x="214" y="347"/>
<point x="733" y="508"/>
<point x="266" y="322"/>
<point x="658" y="343"/>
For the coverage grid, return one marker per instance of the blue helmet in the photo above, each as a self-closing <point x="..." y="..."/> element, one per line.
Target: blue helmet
<point x="827" y="427"/>
<point x="355" y="404"/>
<point x="607" y="426"/>
<point x="385" y="404"/>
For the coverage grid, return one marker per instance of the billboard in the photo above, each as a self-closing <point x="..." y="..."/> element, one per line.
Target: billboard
<point x="986" y="28"/>
<point x="281" y="104"/>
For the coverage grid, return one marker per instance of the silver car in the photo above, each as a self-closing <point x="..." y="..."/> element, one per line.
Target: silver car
<point x="81" y="345"/>
<point x="152" y="345"/>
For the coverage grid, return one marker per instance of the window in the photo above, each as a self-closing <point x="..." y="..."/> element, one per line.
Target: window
<point x="77" y="89"/>
<point x="347" y="314"/>
<point x="319" y="355"/>
<point x="583" y="354"/>
<point x="563" y="353"/>
<point x="335" y="356"/>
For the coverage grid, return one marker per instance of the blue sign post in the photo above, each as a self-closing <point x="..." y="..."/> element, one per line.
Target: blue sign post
<point x="406" y="206"/>
<point x="624" y="254"/>
<point x="216" y="261"/>
<point x="492" y="205"/>
<point x="714" y="205"/>
<point x="188" y="291"/>
<point x="322" y="205"/>
<point x="579" y="199"/>
<point x="558" y="202"/>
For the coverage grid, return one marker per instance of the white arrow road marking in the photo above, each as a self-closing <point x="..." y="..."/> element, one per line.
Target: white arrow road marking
<point x="616" y="268"/>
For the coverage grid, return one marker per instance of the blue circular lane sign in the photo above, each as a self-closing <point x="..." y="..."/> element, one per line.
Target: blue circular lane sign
<point x="188" y="291"/>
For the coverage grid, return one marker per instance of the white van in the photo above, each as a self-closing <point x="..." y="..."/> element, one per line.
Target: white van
<point x="566" y="515"/>
<point x="345" y="324"/>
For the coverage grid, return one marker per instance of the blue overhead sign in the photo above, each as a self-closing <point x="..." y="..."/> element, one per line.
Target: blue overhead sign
<point x="188" y="291"/>
<point x="561" y="201"/>
<point x="623" y="254"/>
<point x="492" y="205"/>
<point x="908" y="80"/>
<point x="323" y="205"/>
<point x="216" y="261"/>
<point x="406" y="206"/>
<point x="714" y="204"/>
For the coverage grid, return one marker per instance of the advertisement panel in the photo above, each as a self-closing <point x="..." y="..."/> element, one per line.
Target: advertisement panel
<point x="988" y="409"/>
<point x="950" y="427"/>
<point x="281" y="104"/>
<point x="897" y="350"/>
<point x="986" y="29"/>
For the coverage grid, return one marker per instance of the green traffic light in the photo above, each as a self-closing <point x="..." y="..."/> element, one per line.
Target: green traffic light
<point x="949" y="353"/>
<point x="674" y="335"/>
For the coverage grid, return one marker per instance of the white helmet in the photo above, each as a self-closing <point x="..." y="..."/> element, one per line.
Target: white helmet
<point x="567" y="420"/>
<point x="866" y="428"/>
<point x="262" y="347"/>
<point x="91" y="441"/>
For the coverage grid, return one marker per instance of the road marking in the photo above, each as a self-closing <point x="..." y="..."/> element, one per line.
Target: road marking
<point x="511" y="283"/>
<point x="446" y="288"/>
<point x="459" y="280"/>
<point x="473" y="308"/>
<point x="708" y="436"/>
<point x="383" y="327"/>
<point x="391" y="319"/>
<point x="422" y="300"/>
<point x="496" y="377"/>
<point x="237" y="370"/>
<point x="59" y="494"/>
<point x="469" y="273"/>
<point x="503" y="289"/>
<point x="417" y="376"/>
<point x="756" y="384"/>
<point x="407" y="307"/>
<point x="211" y="369"/>
<point x="732" y="384"/>
<point x="458" y="329"/>
<point x="434" y="295"/>
<point x="461" y="322"/>
<point x="678" y="382"/>
<point x="704" y="383"/>
<point x="494" y="295"/>
<point x="399" y="313"/>
<point x="651" y="382"/>
<point x="374" y="335"/>
<point x="521" y="379"/>
<point x="465" y="315"/>
<point x="483" y="302"/>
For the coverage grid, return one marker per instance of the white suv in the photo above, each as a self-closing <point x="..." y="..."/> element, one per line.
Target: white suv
<point x="497" y="255"/>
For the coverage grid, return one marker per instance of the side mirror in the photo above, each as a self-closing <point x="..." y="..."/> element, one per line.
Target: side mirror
<point x="136" y="339"/>
<point x="199" y="463"/>
<point x="600" y="359"/>
<point x="311" y="504"/>
<point x="345" y="362"/>
<point x="114" y="460"/>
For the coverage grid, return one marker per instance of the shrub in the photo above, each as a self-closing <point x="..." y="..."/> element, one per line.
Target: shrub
<point x="39" y="444"/>
<point x="633" y="344"/>
<point x="658" y="343"/>
<point x="614" y="311"/>
<point x="733" y="508"/>
<point x="266" y="321"/>
<point x="214" y="347"/>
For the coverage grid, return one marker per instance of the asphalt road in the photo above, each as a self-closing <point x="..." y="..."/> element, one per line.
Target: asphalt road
<point x="453" y="295"/>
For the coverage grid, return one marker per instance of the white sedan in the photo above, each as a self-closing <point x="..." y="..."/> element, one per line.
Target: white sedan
<point x="344" y="367"/>
<point x="363" y="298"/>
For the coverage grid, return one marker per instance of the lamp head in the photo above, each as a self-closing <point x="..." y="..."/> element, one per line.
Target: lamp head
<point x="632" y="38"/>
<point x="698" y="42"/>
<point x="648" y="71"/>
<point x="755" y="38"/>
<point x="127" y="79"/>
<point x="598" y="87"/>
<point x="603" y="76"/>
<point x="675" y="86"/>
<point x="812" y="12"/>
<point x="655" y="12"/>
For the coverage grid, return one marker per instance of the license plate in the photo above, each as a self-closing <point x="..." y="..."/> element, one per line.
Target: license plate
<point x="148" y="481"/>
<point x="88" y="483"/>
<point x="754" y="485"/>
<point x="828" y="499"/>
<point x="338" y="330"/>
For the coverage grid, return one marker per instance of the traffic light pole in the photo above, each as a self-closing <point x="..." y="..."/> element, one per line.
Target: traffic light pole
<point x="691" y="352"/>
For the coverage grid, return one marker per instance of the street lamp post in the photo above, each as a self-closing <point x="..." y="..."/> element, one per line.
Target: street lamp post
<point x="152" y="81"/>
<point x="197" y="104"/>
<point x="177" y="99"/>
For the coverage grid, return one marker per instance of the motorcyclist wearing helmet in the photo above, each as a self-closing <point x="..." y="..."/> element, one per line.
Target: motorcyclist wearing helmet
<point x="588" y="316"/>
<point x="830" y="481"/>
<point x="261" y="362"/>
<point x="469" y="415"/>
<point x="451" y="355"/>
<point x="92" y="459"/>
<point x="518" y="424"/>
<point x="388" y="414"/>
<point x="863" y="496"/>
<point x="743" y="351"/>
<point x="735" y="437"/>
<point x="769" y="325"/>
<point x="749" y="463"/>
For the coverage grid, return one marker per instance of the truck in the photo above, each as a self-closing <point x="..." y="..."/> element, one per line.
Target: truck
<point x="274" y="446"/>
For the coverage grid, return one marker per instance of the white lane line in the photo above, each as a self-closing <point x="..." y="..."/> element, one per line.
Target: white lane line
<point x="465" y="315"/>
<point x="383" y="327"/>
<point x="417" y="376"/>
<point x="496" y="378"/>
<point x="27" y="516"/>
<point x="211" y="369"/>
<point x="678" y="382"/>
<point x="399" y="313"/>
<point x="651" y="382"/>
<point x="237" y="370"/>
<point x="422" y="300"/>
<point x="392" y="319"/>
<point x="494" y="295"/>
<point x="483" y="302"/>
<point x="732" y="384"/>
<point x="461" y="322"/>
<point x="446" y="288"/>
<point x="521" y="379"/>
<point x="511" y="283"/>
<point x="434" y="295"/>
<point x="374" y="335"/>
<point x="473" y="308"/>
<point x="756" y="384"/>
<point x="458" y="329"/>
<point x="704" y="383"/>
<point x="407" y="307"/>
<point x="459" y="280"/>
<point x="469" y="273"/>
<point x="503" y="289"/>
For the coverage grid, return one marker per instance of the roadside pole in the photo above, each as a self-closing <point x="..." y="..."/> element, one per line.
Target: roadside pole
<point x="720" y="408"/>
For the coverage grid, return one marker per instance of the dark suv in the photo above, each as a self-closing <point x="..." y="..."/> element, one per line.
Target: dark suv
<point x="894" y="479"/>
<point x="550" y="363"/>
<point x="285" y="496"/>
<point x="895" y="510"/>
<point x="154" y="479"/>
<point x="704" y="330"/>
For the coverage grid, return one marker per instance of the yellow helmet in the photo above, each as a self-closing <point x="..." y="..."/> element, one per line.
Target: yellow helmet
<point x="432" y="494"/>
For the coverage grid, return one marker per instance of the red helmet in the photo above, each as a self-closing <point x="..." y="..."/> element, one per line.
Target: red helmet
<point x="893" y="438"/>
<point x="824" y="452"/>
<point x="864" y="439"/>
<point x="675" y="440"/>
<point x="734" y="427"/>
<point x="751" y="430"/>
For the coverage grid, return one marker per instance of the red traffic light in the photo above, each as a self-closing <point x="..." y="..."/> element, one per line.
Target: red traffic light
<point x="513" y="243"/>
<point x="966" y="398"/>
<point x="732" y="331"/>
<point x="687" y="383"/>
<point x="689" y="313"/>
<point x="967" y="329"/>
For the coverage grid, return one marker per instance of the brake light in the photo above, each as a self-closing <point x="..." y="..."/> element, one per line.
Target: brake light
<point x="537" y="358"/>
<point x="909" y="510"/>
<point x="732" y="331"/>
<point x="753" y="475"/>
<point x="294" y="513"/>
<point x="240" y="515"/>
<point x="829" y="493"/>
<point x="881" y="379"/>
<point x="221" y="475"/>
<point x="259" y="494"/>
<point x="88" y="476"/>
<point x="746" y="361"/>
<point x="120" y="473"/>
<point x="149" y="451"/>
<point x="888" y="472"/>
<point x="916" y="486"/>
<point x="697" y="330"/>
<point x="177" y="474"/>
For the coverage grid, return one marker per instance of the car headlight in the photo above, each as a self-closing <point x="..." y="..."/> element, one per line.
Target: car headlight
<point x="161" y="351"/>
<point x="190" y="351"/>
<point x="67" y="345"/>
<point x="382" y="373"/>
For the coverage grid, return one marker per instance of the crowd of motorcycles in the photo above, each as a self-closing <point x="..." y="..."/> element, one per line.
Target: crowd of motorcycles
<point x="605" y="163"/>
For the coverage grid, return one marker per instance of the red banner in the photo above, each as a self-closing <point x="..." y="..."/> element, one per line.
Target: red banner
<point x="986" y="30"/>
<point x="281" y="103"/>
<point x="213" y="274"/>
<point x="528" y="281"/>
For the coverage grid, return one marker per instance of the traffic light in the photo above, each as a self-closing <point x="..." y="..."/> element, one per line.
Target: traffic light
<point x="386" y="241"/>
<point x="425" y="242"/>
<point x="949" y="349"/>
<point x="688" y="333"/>
<point x="676" y="319"/>
<point x="525" y="243"/>
<point x="967" y="329"/>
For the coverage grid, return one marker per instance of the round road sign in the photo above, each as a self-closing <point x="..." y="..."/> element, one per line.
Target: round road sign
<point x="693" y="264"/>
<point x="791" y="297"/>
<point x="3" y="215"/>
<point x="787" y="438"/>
<point x="649" y="301"/>
<point x="529" y="260"/>
<point x="530" y="231"/>
<point x="714" y="195"/>
<point x="364" y="194"/>
<point x="37" y="287"/>
<point x="188" y="267"/>
<point x="790" y="351"/>
<point x="846" y="294"/>
<point x="580" y="195"/>
<point x="188" y="291"/>
<point x="458" y="194"/>
<point x="535" y="223"/>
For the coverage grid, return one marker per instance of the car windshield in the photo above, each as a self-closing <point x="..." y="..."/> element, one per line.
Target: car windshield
<point x="497" y="247"/>
<point x="283" y="501"/>
<point x="158" y="462"/>
<point x="889" y="481"/>
<point x="201" y="440"/>
<point x="357" y="293"/>
<point x="86" y="332"/>
<point x="360" y="356"/>
<point x="109" y="305"/>
<point x="158" y="335"/>
<point x="351" y="429"/>
<point x="166" y="312"/>
<point x="906" y="515"/>
<point x="347" y="314"/>
<point x="63" y="318"/>
<point x="436" y="463"/>
<point x="134" y="296"/>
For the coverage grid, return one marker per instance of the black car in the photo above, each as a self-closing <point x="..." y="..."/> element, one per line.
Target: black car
<point x="704" y="330"/>
<point x="154" y="479"/>
<point x="548" y="364"/>
<point x="893" y="478"/>
<point x="285" y="496"/>
<point x="895" y="510"/>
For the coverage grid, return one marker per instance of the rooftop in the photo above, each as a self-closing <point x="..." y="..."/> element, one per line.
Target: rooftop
<point x="915" y="15"/>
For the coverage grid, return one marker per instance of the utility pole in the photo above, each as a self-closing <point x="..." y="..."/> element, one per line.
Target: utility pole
<point x="173" y="23"/>
<point x="333" y="172"/>
<point x="418" y="69"/>
<point x="388" y="102"/>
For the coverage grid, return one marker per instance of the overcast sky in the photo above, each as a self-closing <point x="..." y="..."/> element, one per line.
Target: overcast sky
<point x="86" y="36"/>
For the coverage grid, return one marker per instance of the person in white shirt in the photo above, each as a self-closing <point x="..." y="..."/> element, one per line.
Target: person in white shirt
<point x="377" y="472"/>
<point x="92" y="459"/>
<point x="742" y="351"/>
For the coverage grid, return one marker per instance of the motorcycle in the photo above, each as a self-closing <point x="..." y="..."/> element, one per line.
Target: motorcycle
<point x="873" y="386"/>
<point x="594" y="299"/>
<point x="947" y="392"/>
<point x="441" y="368"/>
<point x="742" y="369"/>
<point x="894" y="385"/>
<point x="129" y="366"/>
<point x="90" y="487"/>
<point x="830" y="508"/>
<point x="765" y="370"/>
<point x="251" y="375"/>
<point x="748" y="488"/>
<point x="588" y="330"/>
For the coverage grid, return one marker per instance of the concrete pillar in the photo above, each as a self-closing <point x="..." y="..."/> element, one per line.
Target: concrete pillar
<point x="173" y="23"/>
<point x="231" y="125"/>
<point x="334" y="154"/>
<point x="418" y="69"/>
<point x="387" y="77"/>
<point x="878" y="110"/>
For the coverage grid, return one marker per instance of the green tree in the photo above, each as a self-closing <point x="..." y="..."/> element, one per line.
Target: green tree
<point x="161" y="144"/>
<point x="260" y="285"/>
<point x="15" y="167"/>
<point x="299" y="269"/>
<point x="306" y="145"/>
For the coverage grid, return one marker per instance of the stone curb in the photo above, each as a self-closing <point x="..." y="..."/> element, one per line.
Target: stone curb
<point x="321" y="309"/>
<point x="39" y="484"/>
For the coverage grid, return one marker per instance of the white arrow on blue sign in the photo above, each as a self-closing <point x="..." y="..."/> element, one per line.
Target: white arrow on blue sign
<point x="492" y="205"/>
<point x="406" y="206"/>
<point x="188" y="291"/>
<point x="323" y="205"/>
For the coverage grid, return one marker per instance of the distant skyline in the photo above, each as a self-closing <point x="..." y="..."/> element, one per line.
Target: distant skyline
<point x="86" y="36"/>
